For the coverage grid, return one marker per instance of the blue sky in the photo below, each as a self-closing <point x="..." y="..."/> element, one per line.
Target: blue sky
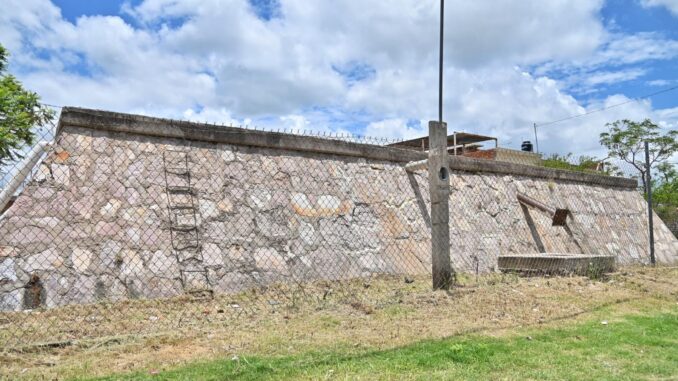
<point x="365" y="68"/>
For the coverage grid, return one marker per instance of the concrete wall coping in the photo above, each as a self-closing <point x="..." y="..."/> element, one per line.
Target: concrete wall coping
<point x="184" y="130"/>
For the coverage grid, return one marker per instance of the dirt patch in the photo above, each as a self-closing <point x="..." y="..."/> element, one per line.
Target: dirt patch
<point x="376" y="313"/>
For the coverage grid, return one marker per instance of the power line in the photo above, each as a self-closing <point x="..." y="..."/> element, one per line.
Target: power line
<point x="609" y="107"/>
<point x="440" y="63"/>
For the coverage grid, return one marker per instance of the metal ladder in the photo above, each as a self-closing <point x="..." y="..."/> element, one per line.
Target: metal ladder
<point x="183" y="221"/>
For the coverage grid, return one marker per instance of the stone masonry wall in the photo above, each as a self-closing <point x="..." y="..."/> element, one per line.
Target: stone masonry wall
<point x="95" y="221"/>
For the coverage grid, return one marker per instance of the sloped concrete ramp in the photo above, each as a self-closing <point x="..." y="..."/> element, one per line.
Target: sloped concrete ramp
<point x="555" y="263"/>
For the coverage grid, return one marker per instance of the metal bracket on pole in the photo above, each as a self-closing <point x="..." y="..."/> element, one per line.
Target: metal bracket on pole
<point x="439" y="188"/>
<point x="558" y="216"/>
<point x="416" y="165"/>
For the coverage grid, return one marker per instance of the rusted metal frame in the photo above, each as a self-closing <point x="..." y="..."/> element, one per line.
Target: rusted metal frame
<point x="558" y="216"/>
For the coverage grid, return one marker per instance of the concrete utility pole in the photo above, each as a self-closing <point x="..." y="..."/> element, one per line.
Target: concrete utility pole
<point x="439" y="184"/>
<point x="648" y="188"/>
<point x="439" y="188"/>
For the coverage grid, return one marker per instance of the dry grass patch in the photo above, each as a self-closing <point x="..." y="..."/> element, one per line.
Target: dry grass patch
<point x="381" y="314"/>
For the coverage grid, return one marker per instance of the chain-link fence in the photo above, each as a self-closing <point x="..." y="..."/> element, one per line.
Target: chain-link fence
<point x="117" y="234"/>
<point x="663" y="183"/>
<point x="124" y="228"/>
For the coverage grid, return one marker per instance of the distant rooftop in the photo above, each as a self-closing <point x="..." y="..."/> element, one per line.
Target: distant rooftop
<point x="462" y="139"/>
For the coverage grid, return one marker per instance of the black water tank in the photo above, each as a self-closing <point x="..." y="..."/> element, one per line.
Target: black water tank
<point x="526" y="146"/>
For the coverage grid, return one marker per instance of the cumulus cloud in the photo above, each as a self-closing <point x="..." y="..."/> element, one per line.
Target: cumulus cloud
<point x="671" y="5"/>
<point x="339" y="66"/>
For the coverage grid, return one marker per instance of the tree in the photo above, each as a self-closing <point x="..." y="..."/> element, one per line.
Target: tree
<point x="626" y="139"/>
<point x="665" y="195"/>
<point x="667" y="172"/>
<point x="20" y="111"/>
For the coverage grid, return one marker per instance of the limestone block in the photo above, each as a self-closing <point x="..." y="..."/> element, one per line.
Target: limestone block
<point x="324" y="206"/>
<point x="61" y="174"/>
<point x="11" y="300"/>
<point x="132" y="264"/>
<point x="372" y="263"/>
<point x="45" y="260"/>
<point x="132" y="196"/>
<point x="106" y="258"/>
<point x="8" y="252"/>
<point x="239" y="225"/>
<point x="43" y="193"/>
<point x="237" y="256"/>
<point x="77" y="231"/>
<point x="301" y="269"/>
<point x="112" y="187"/>
<point x="273" y="225"/>
<point x="107" y="229"/>
<point x="300" y="202"/>
<point x="135" y="169"/>
<point x="82" y="291"/>
<point x="146" y="147"/>
<point x="163" y="264"/>
<point x="225" y="206"/>
<point x="110" y="209"/>
<point x="47" y="222"/>
<point x="307" y="234"/>
<point x="234" y="281"/>
<point x="42" y="174"/>
<point x="268" y="166"/>
<point x="236" y="172"/>
<point x="332" y="264"/>
<point x="259" y="199"/>
<point x="151" y="287"/>
<point x="211" y="254"/>
<point x="328" y="202"/>
<point x="109" y="287"/>
<point x="208" y="209"/>
<point x="336" y="233"/>
<point x="227" y="154"/>
<point x="56" y="286"/>
<point x="138" y="214"/>
<point x="81" y="259"/>
<point x="84" y="206"/>
<point x="101" y="144"/>
<point x="195" y="280"/>
<point x="133" y="235"/>
<point x="268" y="259"/>
<point x="7" y="271"/>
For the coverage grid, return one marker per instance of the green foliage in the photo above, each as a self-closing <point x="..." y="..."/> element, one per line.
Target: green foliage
<point x="20" y="111"/>
<point x="626" y="139"/>
<point x="581" y="164"/>
<point x="665" y="195"/>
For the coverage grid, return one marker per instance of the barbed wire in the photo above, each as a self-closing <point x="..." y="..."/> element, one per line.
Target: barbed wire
<point x="330" y="135"/>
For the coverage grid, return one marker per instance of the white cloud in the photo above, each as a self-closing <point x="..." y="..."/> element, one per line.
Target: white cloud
<point x="671" y="5"/>
<point x="215" y="61"/>
<point x="396" y="129"/>
<point x="606" y="77"/>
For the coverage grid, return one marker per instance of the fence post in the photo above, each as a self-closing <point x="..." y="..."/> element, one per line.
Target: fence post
<point x="439" y="187"/>
<point x="648" y="186"/>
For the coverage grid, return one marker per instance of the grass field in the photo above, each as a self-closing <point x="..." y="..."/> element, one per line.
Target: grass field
<point x="499" y="328"/>
<point x="630" y="348"/>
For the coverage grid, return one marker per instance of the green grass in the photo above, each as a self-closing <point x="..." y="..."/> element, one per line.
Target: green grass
<point x="629" y="348"/>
